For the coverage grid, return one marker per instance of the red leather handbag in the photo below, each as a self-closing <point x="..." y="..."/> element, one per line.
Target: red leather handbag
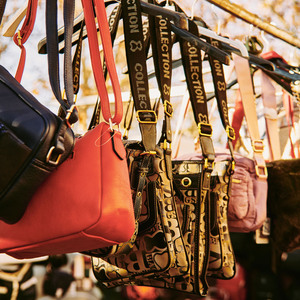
<point x="86" y="202"/>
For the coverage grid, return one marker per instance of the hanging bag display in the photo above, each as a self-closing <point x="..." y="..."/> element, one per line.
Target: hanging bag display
<point x="73" y="210"/>
<point x="157" y="248"/>
<point x="34" y="141"/>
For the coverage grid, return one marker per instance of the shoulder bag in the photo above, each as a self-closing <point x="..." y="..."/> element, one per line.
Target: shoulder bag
<point x="86" y="203"/>
<point x="34" y="141"/>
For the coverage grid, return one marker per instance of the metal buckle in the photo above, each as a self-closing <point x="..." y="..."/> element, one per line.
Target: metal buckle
<point x="69" y="112"/>
<point x="258" y="146"/>
<point x="151" y="112"/>
<point x="200" y="124"/>
<point x="48" y="157"/>
<point x="168" y="108"/>
<point x="230" y="132"/>
<point x="263" y="174"/>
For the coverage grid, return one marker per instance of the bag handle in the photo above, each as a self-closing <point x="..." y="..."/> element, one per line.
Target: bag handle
<point x="71" y="114"/>
<point x="109" y="59"/>
<point x="23" y="34"/>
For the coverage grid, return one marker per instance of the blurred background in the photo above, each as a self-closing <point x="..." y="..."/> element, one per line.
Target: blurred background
<point x="69" y="276"/>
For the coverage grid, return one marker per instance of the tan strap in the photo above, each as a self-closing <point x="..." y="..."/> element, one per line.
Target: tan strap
<point x="268" y="92"/>
<point x="242" y="69"/>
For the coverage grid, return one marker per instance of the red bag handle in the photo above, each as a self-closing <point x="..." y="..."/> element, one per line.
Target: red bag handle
<point x="109" y="58"/>
<point x="23" y="34"/>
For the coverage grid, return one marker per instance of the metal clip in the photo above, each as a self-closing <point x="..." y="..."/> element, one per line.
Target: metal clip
<point x="48" y="157"/>
<point x="69" y="112"/>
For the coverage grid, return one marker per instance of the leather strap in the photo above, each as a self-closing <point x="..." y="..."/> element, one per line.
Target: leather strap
<point x="109" y="59"/>
<point x="244" y="78"/>
<point x="23" y="34"/>
<point x="268" y="92"/>
<point x="138" y="77"/>
<point x="192" y="64"/>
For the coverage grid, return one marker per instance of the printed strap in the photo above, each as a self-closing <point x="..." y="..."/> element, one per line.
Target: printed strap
<point x="242" y="69"/>
<point x="23" y="34"/>
<point x="136" y="61"/>
<point x="161" y="40"/>
<point x="101" y="16"/>
<point x="192" y="63"/>
<point x="221" y="96"/>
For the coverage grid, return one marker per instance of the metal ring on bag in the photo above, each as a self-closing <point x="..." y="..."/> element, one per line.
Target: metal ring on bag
<point x="186" y="181"/>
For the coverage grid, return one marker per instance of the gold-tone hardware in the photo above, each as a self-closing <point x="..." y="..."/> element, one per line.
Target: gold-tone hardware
<point x="205" y="166"/>
<point x="149" y="112"/>
<point x="186" y="181"/>
<point x="148" y="153"/>
<point x="200" y="124"/>
<point x="168" y="107"/>
<point x="229" y="130"/>
<point x="234" y="180"/>
<point x="261" y="172"/>
<point x="48" y="157"/>
<point x="258" y="146"/>
<point x="69" y="112"/>
<point x="19" y="38"/>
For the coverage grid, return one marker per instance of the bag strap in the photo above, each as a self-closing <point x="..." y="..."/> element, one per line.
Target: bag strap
<point x="268" y="93"/>
<point x="88" y="7"/>
<point x="23" y="34"/>
<point x="192" y="64"/>
<point x="137" y="68"/>
<point x="243" y="73"/>
<point x="113" y="22"/>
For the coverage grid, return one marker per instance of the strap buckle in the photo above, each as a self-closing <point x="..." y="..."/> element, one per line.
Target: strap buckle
<point x="258" y="146"/>
<point x="149" y="114"/>
<point x="206" y="127"/>
<point x="168" y="107"/>
<point x="230" y="132"/>
<point x="261" y="172"/>
<point x="51" y="161"/>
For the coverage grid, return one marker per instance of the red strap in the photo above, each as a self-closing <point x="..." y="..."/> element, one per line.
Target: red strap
<point x="23" y="34"/>
<point x="109" y="58"/>
<point x="272" y="54"/>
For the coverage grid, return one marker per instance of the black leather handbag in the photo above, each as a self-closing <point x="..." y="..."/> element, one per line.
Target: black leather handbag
<point x="33" y="140"/>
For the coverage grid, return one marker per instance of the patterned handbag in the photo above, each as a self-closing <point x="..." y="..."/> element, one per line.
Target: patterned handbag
<point x="157" y="248"/>
<point x="192" y="185"/>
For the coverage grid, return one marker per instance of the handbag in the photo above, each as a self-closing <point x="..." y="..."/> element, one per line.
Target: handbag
<point x="194" y="220"/>
<point x="91" y="188"/>
<point x="284" y="203"/>
<point x="157" y="248"/>
<point x="34" y="141"/>
<point x="247" y="210"/>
